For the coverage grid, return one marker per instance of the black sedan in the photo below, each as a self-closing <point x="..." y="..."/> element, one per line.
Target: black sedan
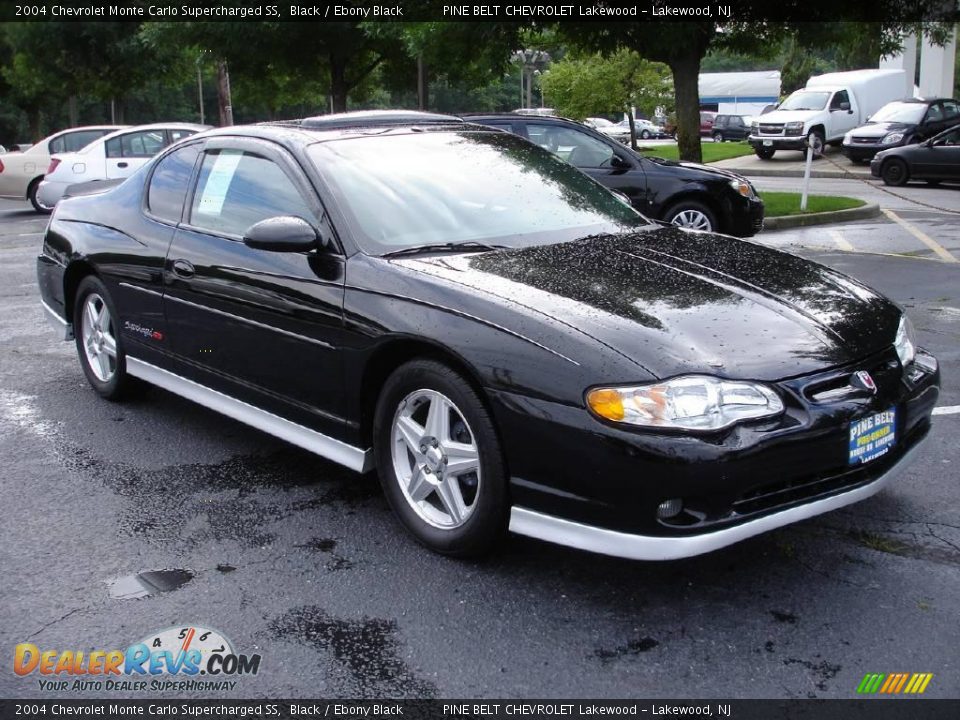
<point x="697" y="197"/>
<point x="935" y="160"/>
<point x="903" y="122"/>
<point x="507" y="343"/>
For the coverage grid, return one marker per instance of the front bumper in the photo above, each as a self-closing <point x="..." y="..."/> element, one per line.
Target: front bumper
<point x="587" y="484"/>
<point x="778" y="142"/>
<point x="863" y="151"/>
<point x="745" y="216"/>
<point x="646" y="547"/>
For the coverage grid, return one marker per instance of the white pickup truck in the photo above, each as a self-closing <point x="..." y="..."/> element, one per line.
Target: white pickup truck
<point x="825" y="110"/>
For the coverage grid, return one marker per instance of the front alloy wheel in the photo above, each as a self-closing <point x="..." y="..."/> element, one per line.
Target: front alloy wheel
<point x="435" y="459"/>
<point x="439" y="459"/>
<point x="692" y="216"/>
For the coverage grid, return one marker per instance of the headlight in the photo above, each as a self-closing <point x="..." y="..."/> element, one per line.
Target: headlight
<point x="905" y="342"/>
<point x="794" y="128"/>
<point x="891" y="138"/>
<point x="741" y="186"/>
<point x="848" y="138"/>
<point x="692" y="402"/>
<point x="755" y="128"/>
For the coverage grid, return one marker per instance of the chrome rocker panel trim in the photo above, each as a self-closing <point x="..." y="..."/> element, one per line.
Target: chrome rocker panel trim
<point x="645" y="547"/>
<point x="352" y="457"/>
<point x="56" y="322"/>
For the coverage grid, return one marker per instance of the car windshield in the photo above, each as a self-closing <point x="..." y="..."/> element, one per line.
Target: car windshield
<point x="429" y="188"/>
<point x="900" y="112"/>
<point x="805" y="100"/>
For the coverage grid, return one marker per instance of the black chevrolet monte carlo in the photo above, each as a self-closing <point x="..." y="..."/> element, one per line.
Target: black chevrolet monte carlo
<point x="506" y="342"/>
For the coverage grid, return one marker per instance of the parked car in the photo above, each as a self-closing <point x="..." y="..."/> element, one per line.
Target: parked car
<point x="698" y="197"/>
<point x="20" y="174"/>
<point x="825" y="110"/>
<point x="933" y="160"/>
<point x="113" y="156"/>
<point x="508" y="344"/>
<point x="646" y="129"/>
<point x="610" y="129"/>
<point x="903" y="122"/>
<point x="706" y="122"/>
<point x="730" y="127"/>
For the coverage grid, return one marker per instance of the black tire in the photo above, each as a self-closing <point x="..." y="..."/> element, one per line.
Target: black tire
<point x="487" y="523"/>
<point x="645" y="134"/>
<point x="718" y="137"/>
<point x="692" y="206"/>
<point x="119" y="384"/>
<point x="32" y="197"/>
<point x="764" y="153"/>
<point x="894" y="172"/>
<point x="857" y="161"/>
<point x="816" y="139"/>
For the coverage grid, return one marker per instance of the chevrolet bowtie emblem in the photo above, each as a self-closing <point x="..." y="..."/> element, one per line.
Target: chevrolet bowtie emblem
<point x="861" y="379"/>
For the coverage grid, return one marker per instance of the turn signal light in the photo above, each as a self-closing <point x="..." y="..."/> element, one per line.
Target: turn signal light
<point x="606" y="403"/>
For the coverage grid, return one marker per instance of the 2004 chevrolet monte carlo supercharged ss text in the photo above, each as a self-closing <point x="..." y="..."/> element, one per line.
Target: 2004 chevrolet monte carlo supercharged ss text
<point x="509" y="344"/>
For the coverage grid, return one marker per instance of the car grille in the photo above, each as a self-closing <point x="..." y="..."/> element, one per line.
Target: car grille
<point x="865" y="140"/>
<point x="771" y="129"/>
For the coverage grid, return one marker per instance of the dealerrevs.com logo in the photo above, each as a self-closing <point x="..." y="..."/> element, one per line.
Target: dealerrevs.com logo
<point x="894" y="683"/>
<point x="179" y="658"/>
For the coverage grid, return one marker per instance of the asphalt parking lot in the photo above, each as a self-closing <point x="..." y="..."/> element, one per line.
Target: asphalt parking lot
<point x="301" y="562"/>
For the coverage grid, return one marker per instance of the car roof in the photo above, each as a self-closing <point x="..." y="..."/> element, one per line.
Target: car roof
<point x="516" y="116"/>
<point x="370" y="118"/>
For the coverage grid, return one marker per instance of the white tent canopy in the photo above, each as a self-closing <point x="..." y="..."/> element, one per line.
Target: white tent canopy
<point x="740" y="92"/>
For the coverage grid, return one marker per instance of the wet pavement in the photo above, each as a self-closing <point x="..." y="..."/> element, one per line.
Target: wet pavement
<point x="300" y="561"/>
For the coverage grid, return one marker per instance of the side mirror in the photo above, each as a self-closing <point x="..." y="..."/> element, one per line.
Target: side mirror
<point x="845" y="106"/>
<point x="285" y="233"/>
<point x="618" y="163"/>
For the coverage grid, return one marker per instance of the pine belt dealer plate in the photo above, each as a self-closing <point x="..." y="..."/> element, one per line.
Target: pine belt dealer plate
<point x="872" y="436"/>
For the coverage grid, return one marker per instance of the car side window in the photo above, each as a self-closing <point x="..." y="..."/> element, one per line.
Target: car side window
<point x="951" y="111"/>
<point x="74" y="141"/>
<point x="839" y="97"/>
<point x="177" y="134"/>
<point x="577" y="148"/>
<point x="934" y="114"/>
<point x="112" y="148"/>
<point x="951" y="139"/>
<point x="236" y="189"/>
<point x="170" y="182"/>
<point x="146" y="143"/>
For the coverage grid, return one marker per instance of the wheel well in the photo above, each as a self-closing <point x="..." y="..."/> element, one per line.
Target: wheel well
<point x="72" y="277"/>
<point x="30" y="184"/>
<point x="823" y="131"/>
<point x="391" y="356"/>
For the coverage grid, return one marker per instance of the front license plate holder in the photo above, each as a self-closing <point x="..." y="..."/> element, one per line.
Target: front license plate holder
<point x="872" y="436"/>
<point x="768" y="143"/>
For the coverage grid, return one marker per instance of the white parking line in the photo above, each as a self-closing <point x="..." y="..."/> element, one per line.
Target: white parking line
<point x="840" y="240"/>
<point x="937" y="248"/>
<point x="947" y="410"/>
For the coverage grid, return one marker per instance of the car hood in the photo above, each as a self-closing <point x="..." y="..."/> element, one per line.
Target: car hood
<point x="785" y="116"/>
<point x="676" y="302"/>
<point x="879" y="129"/>
<point x="697" y="170"/>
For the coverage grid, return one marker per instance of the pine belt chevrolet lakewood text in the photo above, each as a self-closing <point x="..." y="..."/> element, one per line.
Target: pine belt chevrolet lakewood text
<point x="509" y="344"/>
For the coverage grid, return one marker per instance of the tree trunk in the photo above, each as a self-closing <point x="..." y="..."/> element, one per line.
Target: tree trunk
<point x="72" y="111"/>
<point x="224" y="97"/>
<point x="686" y="71"/>
<point x="33" y="118"/>
<point x="338" y="84"/>
<point x="423" y="85"/>
<point x="633" y="128"/>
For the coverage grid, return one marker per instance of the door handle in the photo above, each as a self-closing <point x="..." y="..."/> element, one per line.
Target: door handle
<point x="183" y="268"/>
<point x="122" y="164"/>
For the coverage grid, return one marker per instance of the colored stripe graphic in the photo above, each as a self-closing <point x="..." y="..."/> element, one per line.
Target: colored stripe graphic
<point x="894" y="683"/>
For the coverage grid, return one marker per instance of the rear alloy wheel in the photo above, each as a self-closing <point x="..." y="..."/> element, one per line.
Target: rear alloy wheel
<point x="692" y="216"/>
<point x="894" y="172"/>
<point x="32" y="197"/>
<point x="718" y="137"/>
<point x="645" y="134"/>
<point x="439" y="460"/>
<point x="99" y="345"/>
